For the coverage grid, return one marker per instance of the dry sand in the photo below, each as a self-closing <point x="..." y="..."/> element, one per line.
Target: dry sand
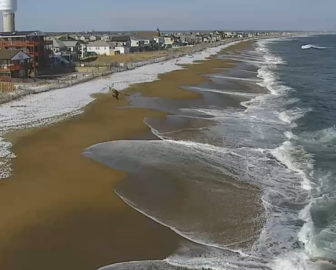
<point x="59" y="211"/>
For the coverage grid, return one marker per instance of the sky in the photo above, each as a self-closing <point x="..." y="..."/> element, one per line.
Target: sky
<point x="124" y="15"/>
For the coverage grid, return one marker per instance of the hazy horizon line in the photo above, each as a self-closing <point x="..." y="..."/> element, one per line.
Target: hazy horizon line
<point x="185" y="30"/>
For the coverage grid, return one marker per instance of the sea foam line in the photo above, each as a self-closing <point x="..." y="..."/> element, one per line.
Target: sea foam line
<point x="233" y="78"/>
<point x="224" y="92"/>
<point x="295" y="259"/>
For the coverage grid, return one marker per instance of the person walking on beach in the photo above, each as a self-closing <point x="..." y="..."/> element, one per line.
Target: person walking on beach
<point x="115" y="92"/>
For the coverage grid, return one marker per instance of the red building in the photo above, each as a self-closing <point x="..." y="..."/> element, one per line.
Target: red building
<point x="32" y="43"/>
<point x="13" y="64"/>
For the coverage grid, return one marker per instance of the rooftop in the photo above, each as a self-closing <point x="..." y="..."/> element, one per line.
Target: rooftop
<point x="99" y="43"/>
<point x="121" y="38"/>
<point x="21" y="34"/>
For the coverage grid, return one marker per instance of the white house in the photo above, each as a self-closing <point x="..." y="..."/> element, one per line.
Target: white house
<point x="100" y="47"/>
<point x="83" y="38"/>
<point x="121" y="50"/>
<point x="92" y="38"/>
<point x="168" y="41"/>
<point x="159" y="40"/>
<point x="135" y="42"/>
<point x="141" y="41"/>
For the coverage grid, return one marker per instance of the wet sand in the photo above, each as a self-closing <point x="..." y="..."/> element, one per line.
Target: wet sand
<point x="59" y="209"/>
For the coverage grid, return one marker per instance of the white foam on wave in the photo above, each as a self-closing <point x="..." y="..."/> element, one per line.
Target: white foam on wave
<point x="285" y="153"/>
<point x="214" y="260"/>
<point x="56" y="105"/>
<point x="270" y="59"/>
<point x="293" y="261"/>
<point x="225" y="92"/>
<point x="245" y="60"/>
<point x="291" y="116"/>
<point x="270" y="81"/>
<point x="233" y="78"/>
<point x="321" y="242"/>
<point x="217" y="114"/>
<point x="297" y="159"/>
<point x="311" y="46"/>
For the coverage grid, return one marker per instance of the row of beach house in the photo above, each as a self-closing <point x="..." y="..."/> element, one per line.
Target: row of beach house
<point x="74" y="47"/>
<point x="32" y="53"/>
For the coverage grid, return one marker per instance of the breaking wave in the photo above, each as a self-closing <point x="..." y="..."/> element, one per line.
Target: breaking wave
<point x="311" y="46"/>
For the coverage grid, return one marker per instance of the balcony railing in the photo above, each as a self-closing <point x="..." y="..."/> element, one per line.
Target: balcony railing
<point x="22" y="43"/>
<point x="16" y="43"/>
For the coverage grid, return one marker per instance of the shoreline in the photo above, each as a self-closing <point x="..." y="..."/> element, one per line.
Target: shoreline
<point x="46" y="108"/>
<point x="59" y="203"/>
<point x="51" y="107"/>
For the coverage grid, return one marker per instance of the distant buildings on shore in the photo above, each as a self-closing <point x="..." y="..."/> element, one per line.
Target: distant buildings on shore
<point x="56" y="52"/>
<point x="27" y="54"/>
<point x="109" y="44"/>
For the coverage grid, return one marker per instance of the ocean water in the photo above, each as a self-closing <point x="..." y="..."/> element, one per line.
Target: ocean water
<point x="264" y="133"/>
<point x="310" y="72"/>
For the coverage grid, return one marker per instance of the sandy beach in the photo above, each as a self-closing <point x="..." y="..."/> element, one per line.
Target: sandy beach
<point x="59" y="209"/>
